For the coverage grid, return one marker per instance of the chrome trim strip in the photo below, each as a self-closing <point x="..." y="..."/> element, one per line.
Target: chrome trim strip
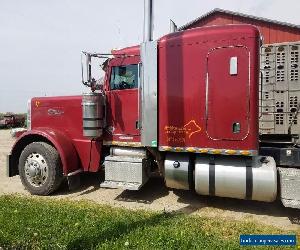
<point x="122" y="143"/>
<point x="75" y="172"/>
<point x="28" y="118"/>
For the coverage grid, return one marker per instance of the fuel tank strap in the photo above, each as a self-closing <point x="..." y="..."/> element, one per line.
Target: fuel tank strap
<point x="212" y="175"/>
<point x="249" y="180"/>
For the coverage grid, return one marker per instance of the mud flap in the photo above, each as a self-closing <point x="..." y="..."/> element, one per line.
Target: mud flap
<point x="73" y="182"/>
<point x="10" y="171"/>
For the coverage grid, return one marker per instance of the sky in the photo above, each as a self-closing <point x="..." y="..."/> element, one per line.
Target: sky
<point x="41" y="41"/>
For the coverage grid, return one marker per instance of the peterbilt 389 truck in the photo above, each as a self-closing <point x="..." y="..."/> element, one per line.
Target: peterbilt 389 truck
<point x="185" y="107"/>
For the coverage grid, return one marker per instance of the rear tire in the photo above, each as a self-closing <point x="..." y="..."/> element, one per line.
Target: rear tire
<point x="40" y="168"/>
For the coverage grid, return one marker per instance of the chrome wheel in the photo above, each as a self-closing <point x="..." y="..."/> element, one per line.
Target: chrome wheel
<point x="36" y="169"/>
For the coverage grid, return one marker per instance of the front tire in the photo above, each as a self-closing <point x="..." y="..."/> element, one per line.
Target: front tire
<point x="40" y="168"/>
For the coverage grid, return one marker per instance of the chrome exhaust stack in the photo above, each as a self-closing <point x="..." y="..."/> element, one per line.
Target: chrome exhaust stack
<point x="173" y="26"/>
<point x="148" y="20"/>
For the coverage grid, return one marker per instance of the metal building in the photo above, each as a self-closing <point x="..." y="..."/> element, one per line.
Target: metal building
<point x="272" y="31"/>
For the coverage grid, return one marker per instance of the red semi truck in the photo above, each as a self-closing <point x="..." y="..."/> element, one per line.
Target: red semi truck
<point x="185" y="107"/>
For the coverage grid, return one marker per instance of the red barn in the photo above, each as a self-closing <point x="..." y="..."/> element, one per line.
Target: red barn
<point x="272" y="31"/>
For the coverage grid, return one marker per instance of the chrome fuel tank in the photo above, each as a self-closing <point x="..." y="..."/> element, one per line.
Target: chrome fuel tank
<point x="253" y="178"/>
<point x="93" y="114"/>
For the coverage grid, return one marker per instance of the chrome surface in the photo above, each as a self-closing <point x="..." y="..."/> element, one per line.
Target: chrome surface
<point x="176" y="171"/>
<point x="233" y="65"/>
<point x="28" y="115"/>
<point x="125" y="172"/>
<point x="290" y="187"/>
<point x="173" y="26"/>
<point x="291" y="203"/>
<point x="148" y="94"/>
<point x="36" y="169"/>
<point x="86" y="78"/>
<point x="148" y="20"/>
<point x="132" y="152"/>
<point x="78" y="171"/>
<point x="264" y="179"/>
<point x="93" y="114"/>
<point x="122" y="185"/>
<point x="230" y="177"/>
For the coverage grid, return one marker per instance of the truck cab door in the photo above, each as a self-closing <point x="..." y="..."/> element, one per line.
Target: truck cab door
<point x="123" y="101"/>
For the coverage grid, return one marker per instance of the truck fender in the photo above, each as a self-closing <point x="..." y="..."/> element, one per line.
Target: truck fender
<point x="59" y="140"/>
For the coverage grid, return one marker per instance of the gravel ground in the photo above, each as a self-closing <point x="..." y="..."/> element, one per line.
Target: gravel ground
<point x="155" y="196"/>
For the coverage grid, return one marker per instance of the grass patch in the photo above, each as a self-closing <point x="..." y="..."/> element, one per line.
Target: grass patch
<point x="39" y="223"/>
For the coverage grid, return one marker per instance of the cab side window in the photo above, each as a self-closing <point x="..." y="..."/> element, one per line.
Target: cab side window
<point x="124" y="77"/>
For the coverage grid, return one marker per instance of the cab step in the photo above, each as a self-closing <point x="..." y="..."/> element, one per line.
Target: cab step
<point x="125" y="170"/>
<point x="121" y="185"/>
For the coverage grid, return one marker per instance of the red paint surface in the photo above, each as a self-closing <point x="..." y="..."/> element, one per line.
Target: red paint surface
<point x="228" y="95"/>
<point x="122" y="108"/>
<point x="68" y="121"/>
<point x="96" y="149"/>
<point x="61" y="142"/>
<point x="131" y="51"/>
<point x="184" y="120"/>
<point x="272" y="33"/>
<point x="18" y="134"/>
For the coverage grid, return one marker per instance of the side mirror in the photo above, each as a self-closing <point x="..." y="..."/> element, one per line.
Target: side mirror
<point x="86" y="69"/>
<point x="89" y="63"/>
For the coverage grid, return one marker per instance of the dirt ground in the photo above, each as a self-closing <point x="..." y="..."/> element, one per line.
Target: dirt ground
<point x="155" y="196"/>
